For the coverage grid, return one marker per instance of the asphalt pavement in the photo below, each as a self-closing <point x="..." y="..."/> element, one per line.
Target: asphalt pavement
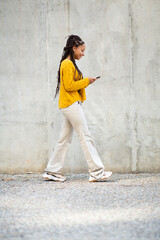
<point x="125" y="207"/>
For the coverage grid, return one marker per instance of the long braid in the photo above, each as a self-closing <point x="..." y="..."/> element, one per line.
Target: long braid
<point x="73" y="40"/>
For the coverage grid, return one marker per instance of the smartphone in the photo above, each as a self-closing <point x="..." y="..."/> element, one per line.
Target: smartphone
<point x="98" y="77"/>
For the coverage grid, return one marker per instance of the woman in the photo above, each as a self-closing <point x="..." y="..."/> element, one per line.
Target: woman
<point x="71" y="87"/>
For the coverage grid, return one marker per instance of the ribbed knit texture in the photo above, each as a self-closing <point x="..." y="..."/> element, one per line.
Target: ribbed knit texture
<point x="69" y="87"/>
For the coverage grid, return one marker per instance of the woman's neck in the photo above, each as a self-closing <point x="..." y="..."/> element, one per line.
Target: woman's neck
<point x="68" y="57"/>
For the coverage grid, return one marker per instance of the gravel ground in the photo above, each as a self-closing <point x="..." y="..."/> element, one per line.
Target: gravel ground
<point x="125" y="207"/>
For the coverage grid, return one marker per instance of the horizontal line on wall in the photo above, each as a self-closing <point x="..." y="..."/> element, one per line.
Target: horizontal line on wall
<point x="22" y="123"/>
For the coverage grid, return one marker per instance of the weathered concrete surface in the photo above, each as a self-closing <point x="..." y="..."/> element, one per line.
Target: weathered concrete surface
<point x="125" y="207"/>
<point x="122" y="108"/>
<point x="23" y="77"/>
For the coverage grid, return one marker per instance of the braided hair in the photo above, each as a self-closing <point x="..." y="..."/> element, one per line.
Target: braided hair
<point x="73" y="40"/>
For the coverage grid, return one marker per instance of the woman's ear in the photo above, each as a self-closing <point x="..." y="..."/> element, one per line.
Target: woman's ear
<point x="74" y="48"/>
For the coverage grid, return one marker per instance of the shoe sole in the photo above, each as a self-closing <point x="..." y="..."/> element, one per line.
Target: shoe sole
<point x="100" y="180"/>
<point x="55" y="179"/>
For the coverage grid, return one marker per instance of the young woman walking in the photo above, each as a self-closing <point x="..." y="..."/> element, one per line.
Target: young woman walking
<point x="71" y="87"/>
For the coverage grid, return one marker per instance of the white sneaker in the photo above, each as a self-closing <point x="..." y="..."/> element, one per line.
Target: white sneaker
<point x="105" y="176"/>
<point x="55" y="177"/>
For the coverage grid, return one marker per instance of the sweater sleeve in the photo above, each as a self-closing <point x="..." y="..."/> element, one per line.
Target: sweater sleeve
<point x="68" y="79"/>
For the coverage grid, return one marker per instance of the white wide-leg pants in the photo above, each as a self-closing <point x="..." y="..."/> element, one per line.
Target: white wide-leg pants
<point x="74" y="119"/>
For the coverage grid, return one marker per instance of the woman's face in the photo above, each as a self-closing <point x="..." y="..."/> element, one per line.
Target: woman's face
<point x="79" y="51"/>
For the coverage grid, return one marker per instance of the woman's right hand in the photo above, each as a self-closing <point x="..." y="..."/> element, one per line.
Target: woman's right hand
<point x="91" y="80"/>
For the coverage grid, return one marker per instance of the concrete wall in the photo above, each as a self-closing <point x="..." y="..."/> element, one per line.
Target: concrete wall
<point x="122" y="108"/>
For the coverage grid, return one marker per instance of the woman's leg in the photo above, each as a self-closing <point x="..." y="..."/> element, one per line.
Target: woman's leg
<point x="75" y="115"/>
<point x="58" y="156"/>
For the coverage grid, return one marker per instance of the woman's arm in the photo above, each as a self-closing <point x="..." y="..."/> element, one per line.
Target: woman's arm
<point x="68" y="79"/>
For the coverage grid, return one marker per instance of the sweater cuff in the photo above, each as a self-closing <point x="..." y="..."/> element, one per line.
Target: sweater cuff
<point x="87" y="80"/>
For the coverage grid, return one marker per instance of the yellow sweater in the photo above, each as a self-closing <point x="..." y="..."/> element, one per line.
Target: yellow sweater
<point x="68" y="93"/>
